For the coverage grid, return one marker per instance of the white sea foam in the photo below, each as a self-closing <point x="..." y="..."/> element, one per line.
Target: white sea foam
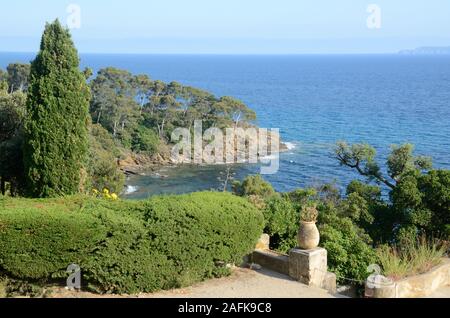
<point x="270" y="157"/>
<point x="131" y="189"/>
<point x="290" y="145"/>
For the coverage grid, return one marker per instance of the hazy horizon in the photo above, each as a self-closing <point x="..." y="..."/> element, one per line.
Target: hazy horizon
<point x="263" y="27"/>
<point x="235" y="54"/>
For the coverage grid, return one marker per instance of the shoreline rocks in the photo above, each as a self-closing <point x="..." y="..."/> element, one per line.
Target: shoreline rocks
<point x="136" y="164"/>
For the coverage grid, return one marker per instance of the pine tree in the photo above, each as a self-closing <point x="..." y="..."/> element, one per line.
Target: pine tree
<point x="56" y="125"/>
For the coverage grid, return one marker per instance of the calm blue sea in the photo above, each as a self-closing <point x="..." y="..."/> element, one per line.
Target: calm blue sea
<point x="314" y="100"/>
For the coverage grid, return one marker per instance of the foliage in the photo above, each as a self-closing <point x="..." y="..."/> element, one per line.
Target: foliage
<point x="18" y="288"/>
<point x="122" y="102"/>
<point x="145" y="140"/>
<point x="422" y="204"/>
<point x="401" y="161"/>
<point x="365" y="206"/>
<point x="3" y="286"/>
<point x="102" y="166"/>
<point x="113" y="103"/>
<point x="309" y="213"/>
<point x="105" y="194"/>
<point x="3" y="80"/>
<point x="282" y="222"/>
<point x="127" y="246"/>
<point x="233" y="110"/>
<point x="48" y="156"/>
<point x="412" y="259"/>
<point x="12" y="112"/>
<point x="56" y="134"/>
<point x="253" y="186"/>
<point x="18" y="76"/>
<point x="303" y="196"/>
<point x="226" y="178"/>
<point x="207" y="231"/>
<point x="419" y="197"/>
<point x="349" y="248"/>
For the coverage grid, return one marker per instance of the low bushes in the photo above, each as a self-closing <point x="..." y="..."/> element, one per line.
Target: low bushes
<point x="282" y="222"/>
<point x="127" y="247"/>
<point x="350" y="251"/>
<point x="102" y="168"/>
<point x="145" y="140"/>
<point x="350" y="248"/>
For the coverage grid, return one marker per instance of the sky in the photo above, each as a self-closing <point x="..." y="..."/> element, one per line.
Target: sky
<point x="230" y="26"/>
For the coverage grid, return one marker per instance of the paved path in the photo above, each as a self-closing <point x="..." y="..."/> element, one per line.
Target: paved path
<point x="243" y="283"/>
<point x="246" y="283"/>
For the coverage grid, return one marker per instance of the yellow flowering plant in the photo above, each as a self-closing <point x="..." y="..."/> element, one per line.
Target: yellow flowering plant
<point x="105" y="194"/>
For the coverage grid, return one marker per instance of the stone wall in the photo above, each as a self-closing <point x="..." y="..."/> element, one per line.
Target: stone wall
<point x="308" y="267"/>
<point x="414" y="286"/>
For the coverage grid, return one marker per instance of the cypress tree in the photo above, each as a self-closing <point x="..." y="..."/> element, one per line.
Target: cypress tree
<point x="56" y="124"/>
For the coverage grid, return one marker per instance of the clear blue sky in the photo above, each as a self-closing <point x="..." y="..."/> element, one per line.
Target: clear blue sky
<point x="231" y="26"/>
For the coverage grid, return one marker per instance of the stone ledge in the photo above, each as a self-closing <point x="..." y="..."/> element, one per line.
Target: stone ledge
<point x="271" y="260"/>
<point x="415" y="286"/>
<point x="298" y="266"/>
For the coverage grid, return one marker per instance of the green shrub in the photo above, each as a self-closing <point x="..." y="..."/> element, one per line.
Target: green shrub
<point x="127" y="247"/>
<point x="103" y="169"/>
<point x="18" y="288"/>
<point x="422" y="203"/>
<point x="208" y="231"/>
<point x="253" y="186"/>
<point x="145" y="140"/>
<point x="282" y="222"/>
<point x="349" y="247"/>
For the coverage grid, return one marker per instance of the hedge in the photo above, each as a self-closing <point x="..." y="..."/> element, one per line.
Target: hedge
<point x="125" y="246"/>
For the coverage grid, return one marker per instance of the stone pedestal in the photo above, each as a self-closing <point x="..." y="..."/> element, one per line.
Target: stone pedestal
<point x="310" y="268"/>
<point x="263" y="243"/>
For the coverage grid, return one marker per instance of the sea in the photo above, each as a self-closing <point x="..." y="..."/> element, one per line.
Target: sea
<point x="315" y="101"/>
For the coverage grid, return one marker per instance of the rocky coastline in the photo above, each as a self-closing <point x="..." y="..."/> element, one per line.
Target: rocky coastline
<point x="141" y="164"/>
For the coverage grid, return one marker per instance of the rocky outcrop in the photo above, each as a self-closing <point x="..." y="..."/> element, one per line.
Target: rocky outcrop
<point x="136" y="163"/>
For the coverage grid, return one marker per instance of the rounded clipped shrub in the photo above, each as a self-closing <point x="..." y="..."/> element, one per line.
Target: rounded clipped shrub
<point x="125" y="246"/>
<point x="206" y="232"/>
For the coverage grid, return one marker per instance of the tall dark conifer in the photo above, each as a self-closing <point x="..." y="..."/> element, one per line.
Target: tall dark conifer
<point x="56" y="126"/>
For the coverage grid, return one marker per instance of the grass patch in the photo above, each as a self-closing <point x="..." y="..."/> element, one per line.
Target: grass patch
<point x="417" y="258"/>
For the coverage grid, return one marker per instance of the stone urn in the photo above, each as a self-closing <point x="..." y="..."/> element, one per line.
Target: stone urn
<point x="308" y="235"/>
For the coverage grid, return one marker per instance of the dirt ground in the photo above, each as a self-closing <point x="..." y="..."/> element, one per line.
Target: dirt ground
<point x="243" y="283"/>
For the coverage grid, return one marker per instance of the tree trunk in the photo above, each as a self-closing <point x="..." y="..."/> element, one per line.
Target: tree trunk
<point x="2" y="186"/>
<point x="98" y="117"/>
<point x="115" y="129"/>
<point x="161" y="128"/>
